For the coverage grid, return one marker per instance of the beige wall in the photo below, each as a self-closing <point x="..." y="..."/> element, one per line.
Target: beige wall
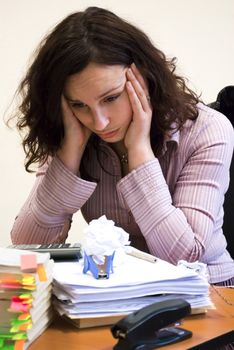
<point x="200" y="33"/>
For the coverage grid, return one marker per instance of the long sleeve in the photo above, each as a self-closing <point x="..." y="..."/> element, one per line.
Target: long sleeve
<point x="181" y="215"/>
<point x="46" y="215"/>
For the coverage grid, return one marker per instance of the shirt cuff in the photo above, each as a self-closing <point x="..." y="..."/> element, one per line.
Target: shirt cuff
<point x="60" y="193"/>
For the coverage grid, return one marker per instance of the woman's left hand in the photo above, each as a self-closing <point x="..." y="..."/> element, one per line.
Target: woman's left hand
<point x="137" y="138"/>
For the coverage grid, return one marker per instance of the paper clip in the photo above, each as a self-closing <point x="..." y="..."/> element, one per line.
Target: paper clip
<point x="99" y="271"/>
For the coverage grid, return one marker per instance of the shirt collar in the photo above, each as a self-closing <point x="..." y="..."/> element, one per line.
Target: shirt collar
<point x="173" y="135"/>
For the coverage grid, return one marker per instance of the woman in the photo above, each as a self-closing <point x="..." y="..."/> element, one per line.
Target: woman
<point x="117" y="132"/>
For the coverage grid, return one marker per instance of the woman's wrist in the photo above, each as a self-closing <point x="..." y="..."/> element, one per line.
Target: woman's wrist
<point x="71" y="156"/>
<point x="139" y="156"/>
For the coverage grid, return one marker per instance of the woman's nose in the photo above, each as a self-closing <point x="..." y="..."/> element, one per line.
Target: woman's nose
<point x="100" y="120"/>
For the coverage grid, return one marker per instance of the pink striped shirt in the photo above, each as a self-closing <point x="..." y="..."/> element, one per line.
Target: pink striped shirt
<point x="171" y="206"/>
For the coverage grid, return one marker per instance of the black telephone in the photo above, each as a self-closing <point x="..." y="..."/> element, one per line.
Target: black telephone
<point x="151" y="327"/>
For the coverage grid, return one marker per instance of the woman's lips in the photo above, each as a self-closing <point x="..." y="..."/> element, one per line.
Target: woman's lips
<point x="108" y="135"/>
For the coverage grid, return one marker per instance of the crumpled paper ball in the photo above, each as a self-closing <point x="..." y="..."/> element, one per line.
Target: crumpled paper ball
<point x="102" y="238"/>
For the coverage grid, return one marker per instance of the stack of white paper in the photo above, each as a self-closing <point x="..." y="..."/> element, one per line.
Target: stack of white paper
<point x="25" y="296"/>
<point x="134" y="284"/>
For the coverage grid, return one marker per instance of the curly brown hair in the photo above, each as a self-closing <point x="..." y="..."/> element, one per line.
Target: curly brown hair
<point x="99" y="36"/>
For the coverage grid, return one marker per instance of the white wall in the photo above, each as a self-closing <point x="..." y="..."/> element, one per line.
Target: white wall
<point x="200" y="33"/>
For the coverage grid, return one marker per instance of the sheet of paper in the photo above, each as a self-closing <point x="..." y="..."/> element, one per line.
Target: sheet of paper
<point x="131" y="271"/>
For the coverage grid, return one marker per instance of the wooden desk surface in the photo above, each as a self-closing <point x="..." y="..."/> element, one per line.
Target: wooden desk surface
<point x="61" y="335"/>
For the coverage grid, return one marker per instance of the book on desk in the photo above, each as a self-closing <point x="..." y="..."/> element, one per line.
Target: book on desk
<point x="25" y="297"/>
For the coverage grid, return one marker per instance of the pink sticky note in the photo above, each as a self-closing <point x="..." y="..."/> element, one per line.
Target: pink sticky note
<point x="28" y="263"/>
<point x="18" y="307"/>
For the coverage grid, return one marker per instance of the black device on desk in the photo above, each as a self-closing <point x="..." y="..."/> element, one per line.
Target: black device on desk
<point x="64" y="251"/>
<point x="151" y="327"/>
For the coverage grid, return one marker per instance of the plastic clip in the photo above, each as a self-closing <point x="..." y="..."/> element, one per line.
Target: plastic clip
<point x="99" y="271"/>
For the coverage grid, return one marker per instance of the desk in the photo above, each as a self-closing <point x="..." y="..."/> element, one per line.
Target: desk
<point x="215" y="323"/>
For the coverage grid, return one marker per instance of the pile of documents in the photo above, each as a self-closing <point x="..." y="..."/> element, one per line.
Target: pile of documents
<point x="25" y="297"/>
<point x="134" y="283"/>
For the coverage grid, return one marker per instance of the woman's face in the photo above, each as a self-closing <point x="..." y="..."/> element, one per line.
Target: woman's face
<point x="98" y="98"/>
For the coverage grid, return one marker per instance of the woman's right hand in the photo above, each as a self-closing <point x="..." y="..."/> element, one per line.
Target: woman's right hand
<point x="75" y="139"/>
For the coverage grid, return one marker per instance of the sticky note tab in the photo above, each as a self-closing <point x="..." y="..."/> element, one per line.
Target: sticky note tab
<point x="19" y="307"/>
<point x="8" y="347"/>
<point x="26" y="316"/>
<point x="41" y="273"/>
<point x="19" y="336"/>
<point x="19" y="345"/>
<point x="28" y="279"/>
<point x="29" y="282"/>
<point x="28" y="263"/>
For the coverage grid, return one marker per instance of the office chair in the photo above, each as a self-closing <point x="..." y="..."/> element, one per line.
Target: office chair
<point x="225" y="105"/>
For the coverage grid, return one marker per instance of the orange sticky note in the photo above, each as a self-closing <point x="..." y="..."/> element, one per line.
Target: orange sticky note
<point x="25" y="326"/>
<point x="19" y="345"/>
<point x="28" y="263"/>
<point x="41" y="273"/>
<point x="25" y="316"/>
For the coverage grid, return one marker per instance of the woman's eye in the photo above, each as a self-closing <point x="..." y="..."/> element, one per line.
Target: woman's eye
<point x="111" y="98"/>
<point x="78" y="105"/>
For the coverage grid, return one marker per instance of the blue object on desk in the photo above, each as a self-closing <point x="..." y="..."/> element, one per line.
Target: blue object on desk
<point x="101" y="271"/>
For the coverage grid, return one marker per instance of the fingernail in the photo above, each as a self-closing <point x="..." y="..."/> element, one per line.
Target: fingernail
<point x="129" y="85"/>
<point x="130" y="71"/>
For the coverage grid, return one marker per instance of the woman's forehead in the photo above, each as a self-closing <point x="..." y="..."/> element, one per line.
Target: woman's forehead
<point x="96" y="79"/>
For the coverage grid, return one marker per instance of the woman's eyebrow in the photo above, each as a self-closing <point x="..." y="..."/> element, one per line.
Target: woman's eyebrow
<point x="100" y="96"/>
<point x="71" y="100"/>
<point x="110" y="91"/>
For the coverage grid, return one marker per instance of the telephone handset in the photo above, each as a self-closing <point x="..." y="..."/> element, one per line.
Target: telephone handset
<point x="151" y="326"/>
